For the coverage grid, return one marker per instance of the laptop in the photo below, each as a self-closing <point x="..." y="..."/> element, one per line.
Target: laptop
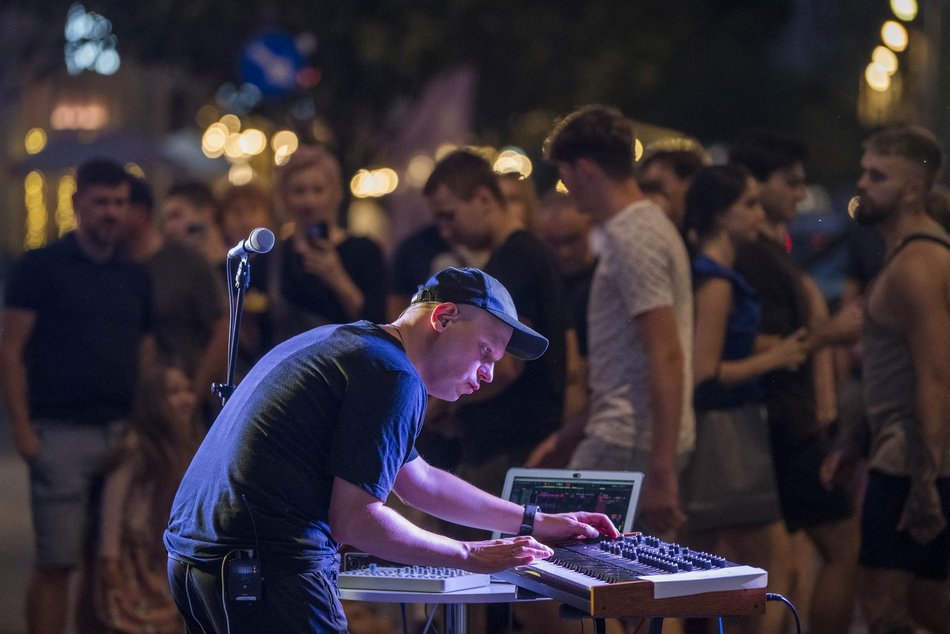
<point x="613" y="493"/>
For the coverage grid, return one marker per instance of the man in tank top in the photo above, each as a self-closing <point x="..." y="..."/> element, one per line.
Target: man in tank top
<point x="905" y="549"/>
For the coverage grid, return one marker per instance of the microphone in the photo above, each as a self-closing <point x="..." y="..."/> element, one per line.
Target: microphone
<point x="261" y="240"/>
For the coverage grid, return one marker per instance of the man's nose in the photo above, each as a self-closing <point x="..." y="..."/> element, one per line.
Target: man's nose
<point x="486" y="372"/>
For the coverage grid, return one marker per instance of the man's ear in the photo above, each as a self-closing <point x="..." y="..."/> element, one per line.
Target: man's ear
<point x="484" y="197"/>
<point x="443" y="315"/>
<point x="586" y="168"/>
<point x="916" y="189"/>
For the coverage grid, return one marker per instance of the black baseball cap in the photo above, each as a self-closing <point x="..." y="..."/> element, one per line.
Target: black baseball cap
<point x="474" y="287"/>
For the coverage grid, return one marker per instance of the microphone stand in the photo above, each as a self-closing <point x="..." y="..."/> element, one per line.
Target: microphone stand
<point x="242" y="279"/>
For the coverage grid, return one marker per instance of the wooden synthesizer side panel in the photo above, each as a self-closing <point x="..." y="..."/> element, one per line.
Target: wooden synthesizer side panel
<point x="636" y="598"/>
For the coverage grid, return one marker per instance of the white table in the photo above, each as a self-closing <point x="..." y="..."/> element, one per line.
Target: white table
<point x="456" y="621"/>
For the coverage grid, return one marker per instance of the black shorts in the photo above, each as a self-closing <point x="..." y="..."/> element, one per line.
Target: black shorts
<point x="805" y="500"/>
<point x="883" y="547"/>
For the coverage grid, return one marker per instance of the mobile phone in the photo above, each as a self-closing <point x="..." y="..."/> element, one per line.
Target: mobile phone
<point x="317" y="231"/>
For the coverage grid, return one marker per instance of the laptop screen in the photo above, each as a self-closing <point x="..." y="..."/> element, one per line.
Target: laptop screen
<point x="613" y="493"/>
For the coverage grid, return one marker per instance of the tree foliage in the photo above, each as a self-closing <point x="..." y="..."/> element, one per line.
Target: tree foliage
<point x="707" y="67"/>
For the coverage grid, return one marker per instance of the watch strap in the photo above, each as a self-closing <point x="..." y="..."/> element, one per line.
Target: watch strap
<point x="527" y="522"/>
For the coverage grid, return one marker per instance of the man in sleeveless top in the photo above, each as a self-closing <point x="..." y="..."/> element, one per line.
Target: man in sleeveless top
<point x="905" y="549"/>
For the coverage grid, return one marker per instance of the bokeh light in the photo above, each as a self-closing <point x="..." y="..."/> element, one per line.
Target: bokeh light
<point x="877" y="77"/>
<point x="252" y="141"/>
<point x="906" y="10"/>
<point x="36" y="214"/>
<point x="894" y="35"/>
<point x="886" y="58"/>
<point x="284" y="143"/>
<point x="374" y="183"/>
<point x="232" y="122"/>
<point x="418" y="170"/>
<point x="214" y="140"/>
<point x="64" y="216"/>
<point x="512" y="161"/>
<point x="135" y="170"/>
<point x="240" y="174"/>
<point x="232" y="146"/>
<point x="444" y="150"/>
<point x="35" y="140"/>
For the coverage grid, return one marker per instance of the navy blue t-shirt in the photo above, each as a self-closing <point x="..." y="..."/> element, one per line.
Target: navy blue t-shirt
<point x="83" y="354"/>
<point x="742" y="328"/>
<point x="335" y="401"/>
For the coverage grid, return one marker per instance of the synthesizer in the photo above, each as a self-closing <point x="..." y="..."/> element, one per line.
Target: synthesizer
<point x="640" y="575"/>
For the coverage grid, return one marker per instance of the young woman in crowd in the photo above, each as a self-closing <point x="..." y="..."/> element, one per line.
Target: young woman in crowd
<point x="730" y="491"/>
<point x="321" y="274"/>
<point x="132" y="593"/>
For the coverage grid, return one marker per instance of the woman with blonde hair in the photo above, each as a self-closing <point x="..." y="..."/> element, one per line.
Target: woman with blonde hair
<point x="321" y="273"/>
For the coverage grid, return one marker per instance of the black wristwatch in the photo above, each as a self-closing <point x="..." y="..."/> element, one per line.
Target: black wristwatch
<point x="527" y="522"/>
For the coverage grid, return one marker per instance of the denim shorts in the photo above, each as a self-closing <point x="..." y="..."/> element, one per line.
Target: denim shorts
<point x="65" y="486"/>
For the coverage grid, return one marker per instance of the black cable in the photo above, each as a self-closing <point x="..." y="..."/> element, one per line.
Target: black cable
<point x="257" y="544"/>
<point x="773" y="596"/>
<point x="405" y="621"/>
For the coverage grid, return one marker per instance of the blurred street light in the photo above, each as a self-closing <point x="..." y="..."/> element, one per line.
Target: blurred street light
<point x="35" y="141"/>
<point x="886" y="58"/>
<point x="877" y="77"/>
<point x="906" y="10"/>
<point x="894" y="35"/>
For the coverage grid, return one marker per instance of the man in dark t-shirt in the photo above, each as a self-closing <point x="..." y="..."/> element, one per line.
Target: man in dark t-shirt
<point x="305" y="453"/>
<point x="500" y="426"/>
<point x="75" y="329"/>
<point x="190" y="323"/>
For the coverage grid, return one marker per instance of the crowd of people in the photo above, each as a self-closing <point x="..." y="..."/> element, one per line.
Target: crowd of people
<point x="683" y="341"/>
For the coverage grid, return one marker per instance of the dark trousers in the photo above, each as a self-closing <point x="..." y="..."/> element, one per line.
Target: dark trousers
<point x="305" y="602"/>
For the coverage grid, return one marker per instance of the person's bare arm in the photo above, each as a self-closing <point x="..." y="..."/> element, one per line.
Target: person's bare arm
<point x="822" y="359"/>
<point x="920" y="301"/>
<point x="15" y="331"/>
<point x="363" y="521"/>
<point x="713" y="300"/>
<point x="450" y="498"/>
<point x="212" y="366"/>
<point x="660" y="505"/>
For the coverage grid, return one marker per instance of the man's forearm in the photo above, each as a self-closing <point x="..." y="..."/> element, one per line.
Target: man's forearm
<point x="13" y="385"/>
<point x="385" y="533"/>
<point x="933" y="417"/>
<point x="214" y="361"/>
<point x="666" y="397"/>
<point x="450" y="498"/>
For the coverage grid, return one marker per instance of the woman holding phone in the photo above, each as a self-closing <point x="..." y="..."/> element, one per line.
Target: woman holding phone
<point x="323" y="274"/>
